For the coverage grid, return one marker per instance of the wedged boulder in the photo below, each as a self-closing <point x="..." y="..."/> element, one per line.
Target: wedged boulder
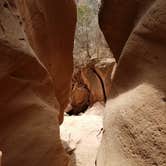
<point x="79" y="99"/>
<point x="104" y="69"/>
<point x="91" y="83"/>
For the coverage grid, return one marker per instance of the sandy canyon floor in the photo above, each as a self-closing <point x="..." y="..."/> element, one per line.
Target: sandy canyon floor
<point x="81" y="135"/>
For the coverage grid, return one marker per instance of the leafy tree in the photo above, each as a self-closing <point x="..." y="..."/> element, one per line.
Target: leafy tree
<point x="89" y="41"/>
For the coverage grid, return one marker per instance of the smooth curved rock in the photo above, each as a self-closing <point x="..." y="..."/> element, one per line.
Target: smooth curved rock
<point x="91" y="83"/>
<point x="104" y="69"/>
<point x="51" y="35"/>
<point x="29" y="107"/>
<point x="134" y="122"/>
<point x="79" y="99"/>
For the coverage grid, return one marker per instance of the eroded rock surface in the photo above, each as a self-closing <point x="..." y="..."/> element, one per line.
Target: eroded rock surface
<point x="134" y="121"/>
<point x="35" y="82"/>
<point x="91" y="83"/>
<point x="51" y="32"/>
<point x="79" y="99"/>
<point x="29" y="100"/>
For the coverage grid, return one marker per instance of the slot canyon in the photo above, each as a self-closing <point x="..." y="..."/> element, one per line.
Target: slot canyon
<point x="58" y="108"/>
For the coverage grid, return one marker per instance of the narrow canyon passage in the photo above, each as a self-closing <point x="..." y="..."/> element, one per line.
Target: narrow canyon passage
<point x="82" y="83"/>
<point x="82" y="128"/>
<point x="81" y="135"/>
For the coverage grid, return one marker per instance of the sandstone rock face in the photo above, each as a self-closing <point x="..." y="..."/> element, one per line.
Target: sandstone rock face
<point x="53" y="43"/>
<point x="104" y="70"/>
<point x="134" y="122"/>
<point x="0" y="157"/>
<point x="91" y="83"/>
<point x="79" y="99"/>
<point x="29" y="98"/>
<point x="134" y="125"/>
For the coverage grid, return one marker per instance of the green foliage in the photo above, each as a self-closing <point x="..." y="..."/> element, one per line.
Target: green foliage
<point x="89" y="41"/>
<point x="84" y="13"/>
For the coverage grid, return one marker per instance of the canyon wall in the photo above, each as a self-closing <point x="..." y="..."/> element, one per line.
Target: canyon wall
<point x="134" y="121"/>
<point x="35" y="74"/>
<point x="50" y="28"/>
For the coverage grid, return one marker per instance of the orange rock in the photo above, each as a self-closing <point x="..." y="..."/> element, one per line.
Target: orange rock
<point x="104" y="69"/>
<point x="79" y="99"/>
<point x="31" y="93"/>
<point x="51" y="35"/>
<point x="93" y="83"/>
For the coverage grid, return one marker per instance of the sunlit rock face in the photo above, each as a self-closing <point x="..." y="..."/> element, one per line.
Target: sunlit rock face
<point x="91" y="83"/>
<point x="134" y="121"/>
<point x="35" y="72"/>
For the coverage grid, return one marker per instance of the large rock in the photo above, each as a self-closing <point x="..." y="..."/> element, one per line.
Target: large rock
<point x="53" y="43"/>
<point x="91" y="83"/>
<point x="104" y="69"/>
<point x="134" y="121"/>
<point x="79" y="99"/>
<point x="29" y="106"/>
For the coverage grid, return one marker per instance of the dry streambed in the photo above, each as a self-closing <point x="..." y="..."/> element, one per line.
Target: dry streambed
<point x="81" y="135"/>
